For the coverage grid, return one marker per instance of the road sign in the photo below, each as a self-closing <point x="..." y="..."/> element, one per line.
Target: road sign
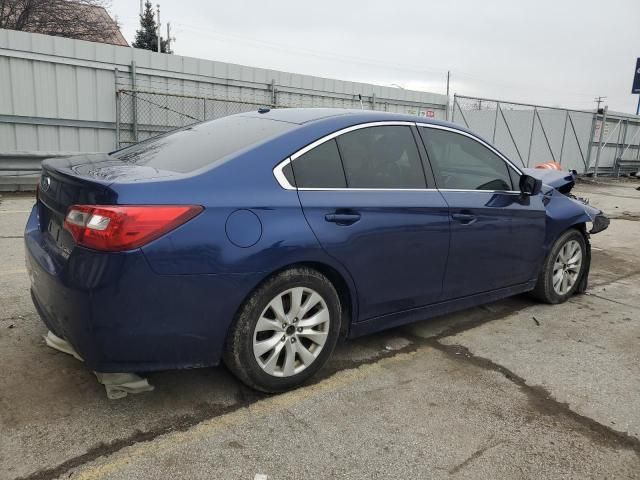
<point x="636" y="78"/>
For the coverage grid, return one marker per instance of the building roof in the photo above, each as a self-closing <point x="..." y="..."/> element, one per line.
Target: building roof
<point x="76" y="20"/>
<point x="116" y="38"/>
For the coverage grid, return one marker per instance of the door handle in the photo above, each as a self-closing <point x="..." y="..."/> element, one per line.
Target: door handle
<point x="342" y="218"/>
<point x="464" y="218"/>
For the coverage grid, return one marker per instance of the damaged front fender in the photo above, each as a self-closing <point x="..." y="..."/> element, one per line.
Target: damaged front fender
<point x="564" y="212"/>
<point x="562" y="205"/>
<point x="599" y="220"/>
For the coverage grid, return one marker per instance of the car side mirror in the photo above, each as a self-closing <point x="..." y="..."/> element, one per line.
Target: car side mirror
<point x="530" y="185"/>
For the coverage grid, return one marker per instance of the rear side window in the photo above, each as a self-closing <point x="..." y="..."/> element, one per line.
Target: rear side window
<point x="201" y="145"/>
<point x="460" y="162"/>
<point x="381" y="157"/>
<point x="320" y="167"/>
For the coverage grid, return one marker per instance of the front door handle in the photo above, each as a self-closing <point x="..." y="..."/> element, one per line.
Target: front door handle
<point x="342" y="218"/>
<point x="464" y="218"/>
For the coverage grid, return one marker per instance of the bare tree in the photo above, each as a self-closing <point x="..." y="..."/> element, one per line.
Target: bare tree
<point x="80" y="19"/>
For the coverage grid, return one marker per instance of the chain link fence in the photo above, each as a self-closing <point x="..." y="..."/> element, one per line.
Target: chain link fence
<point x="143" y="114"/>
<point x="533" y="134"/>
<point x="147" y="106"/>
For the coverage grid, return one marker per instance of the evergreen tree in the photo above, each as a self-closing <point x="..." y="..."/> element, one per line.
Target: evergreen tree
<point x="147" y="35"/>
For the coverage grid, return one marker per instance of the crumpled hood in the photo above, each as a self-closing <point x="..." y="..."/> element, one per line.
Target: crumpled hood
<point x="563" y="181"/>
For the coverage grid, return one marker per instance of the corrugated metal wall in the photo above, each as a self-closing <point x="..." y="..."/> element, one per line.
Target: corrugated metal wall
<point x="533" y="134"/>
<point x="58" y="96"/>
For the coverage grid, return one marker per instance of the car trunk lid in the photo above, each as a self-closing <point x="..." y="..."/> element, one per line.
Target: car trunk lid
<point x="85" y="180"/>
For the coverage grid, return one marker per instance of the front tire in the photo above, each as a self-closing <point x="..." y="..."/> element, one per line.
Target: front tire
<point x="563" y="268"/>
<point x="285" y="331"/>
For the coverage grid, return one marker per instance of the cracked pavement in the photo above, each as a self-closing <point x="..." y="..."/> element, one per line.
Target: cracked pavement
<point x="513" y="389"/>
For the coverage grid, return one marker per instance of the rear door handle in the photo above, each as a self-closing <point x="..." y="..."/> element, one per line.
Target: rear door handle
<point x="342" y="218"/>
<point x="464" y="218"/>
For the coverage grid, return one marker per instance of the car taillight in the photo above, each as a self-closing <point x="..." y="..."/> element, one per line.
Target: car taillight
<point x="115" y="228"/>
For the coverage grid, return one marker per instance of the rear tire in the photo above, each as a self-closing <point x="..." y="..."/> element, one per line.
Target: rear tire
<point x="285" y="331"/>
<point x="563" y="268"/>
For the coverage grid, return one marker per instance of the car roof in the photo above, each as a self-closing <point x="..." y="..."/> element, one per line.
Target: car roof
<point x="302" y="116"/>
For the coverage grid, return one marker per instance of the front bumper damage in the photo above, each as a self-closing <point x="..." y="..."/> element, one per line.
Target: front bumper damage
<point x="599" y="220"/>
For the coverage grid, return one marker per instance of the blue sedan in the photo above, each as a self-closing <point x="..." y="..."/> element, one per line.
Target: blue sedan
<point x="259" y="239"/>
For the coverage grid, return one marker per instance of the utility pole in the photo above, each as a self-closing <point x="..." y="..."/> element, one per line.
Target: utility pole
<point x="159" y="25"/>
<point x="603" y="122"/>
<point x="141" y="7"/>
<point x="598" y="100"/>
<point x="169" y="39"/>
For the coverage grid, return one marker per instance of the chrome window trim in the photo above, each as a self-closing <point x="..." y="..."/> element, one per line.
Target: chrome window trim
<point x="339" y="189"/>
<point x="284" y="183"/>
<point x="309" y="189"/>
<point x="282" y="180"/>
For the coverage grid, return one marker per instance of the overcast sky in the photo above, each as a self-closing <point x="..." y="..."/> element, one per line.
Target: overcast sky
<point x="552" y="52"/>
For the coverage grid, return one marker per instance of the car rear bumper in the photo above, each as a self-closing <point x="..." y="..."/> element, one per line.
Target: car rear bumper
<point x="120" y="316"/>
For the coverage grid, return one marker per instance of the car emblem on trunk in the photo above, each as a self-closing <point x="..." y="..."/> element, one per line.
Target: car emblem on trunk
<point x="45" y="183"/>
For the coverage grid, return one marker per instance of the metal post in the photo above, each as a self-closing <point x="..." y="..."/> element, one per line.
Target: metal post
<point x="495" y="123"/>
<point x="616" y="159"/>
<point x="118" y="98"/>
<point x="373" y="101"/>
<point x="546" y="139"/>
<point x="575" y="134"/>
<point x="594" y="121"/>
<point x="134" y="102"/>
<point x="461" y="113"/>
<point x="273" y="93"/>
<point x="533" y="122"/>
<point x="204" y="109"/>
<point x="633" y="138"/>
<point x="602" y="126"/>
<point x="448" y="83"/>
<point x="564" y="134"/>
<point x="638" y="146"/>
<point x="453" y="108"/>
<point x="504" y="119"/>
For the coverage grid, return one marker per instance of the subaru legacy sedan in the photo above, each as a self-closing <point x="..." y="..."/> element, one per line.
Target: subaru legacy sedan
<point x="259" y="239"/>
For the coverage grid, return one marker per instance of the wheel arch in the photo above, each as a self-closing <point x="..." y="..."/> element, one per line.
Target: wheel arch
<point x="584" y="279"/>
<point x="345" y="293"/>
<point x="340" y="280"/>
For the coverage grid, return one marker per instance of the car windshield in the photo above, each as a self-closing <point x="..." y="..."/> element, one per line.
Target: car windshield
<point x="201" y="145"/>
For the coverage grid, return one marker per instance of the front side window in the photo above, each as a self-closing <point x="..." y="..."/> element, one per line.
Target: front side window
<point x="381" y="157"/>
<point x="320" y="167"/>
<point x="460" y="162"/>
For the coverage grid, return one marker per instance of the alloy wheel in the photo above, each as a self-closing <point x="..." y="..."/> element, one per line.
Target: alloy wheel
<point x="566" y="267"/>
<point x="291" y="332"/>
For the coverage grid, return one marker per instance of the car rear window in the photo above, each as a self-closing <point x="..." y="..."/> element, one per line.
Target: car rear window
<point x="320" y="168"/>
<point x="201" y="145"/>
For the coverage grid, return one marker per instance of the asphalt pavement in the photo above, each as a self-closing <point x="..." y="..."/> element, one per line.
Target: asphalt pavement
<point x="513" y="389"/>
